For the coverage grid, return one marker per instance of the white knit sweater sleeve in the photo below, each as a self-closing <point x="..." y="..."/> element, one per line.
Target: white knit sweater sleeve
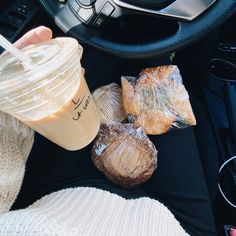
<point x="16" y="140"/>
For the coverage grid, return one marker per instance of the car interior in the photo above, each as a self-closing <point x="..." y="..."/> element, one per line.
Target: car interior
<point x="198" y="36"/>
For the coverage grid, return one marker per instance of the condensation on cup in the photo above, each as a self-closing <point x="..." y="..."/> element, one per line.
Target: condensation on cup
<point x="51" y="96"/>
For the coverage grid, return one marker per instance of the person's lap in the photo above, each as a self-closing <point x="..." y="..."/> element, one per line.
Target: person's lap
<point x="178" y="181"/>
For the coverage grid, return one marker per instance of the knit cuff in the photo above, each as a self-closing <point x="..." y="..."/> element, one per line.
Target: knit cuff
<point x="16" y="140"/>
<point x="8" y="121"/>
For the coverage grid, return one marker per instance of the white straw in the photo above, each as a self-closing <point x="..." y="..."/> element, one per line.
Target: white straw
<point x="8" y="46"/>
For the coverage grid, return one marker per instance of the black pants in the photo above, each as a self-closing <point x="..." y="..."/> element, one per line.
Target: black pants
<point x="178" y="182"/>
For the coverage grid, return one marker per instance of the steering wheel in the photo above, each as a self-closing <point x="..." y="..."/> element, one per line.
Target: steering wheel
<point x="85" y="19"/>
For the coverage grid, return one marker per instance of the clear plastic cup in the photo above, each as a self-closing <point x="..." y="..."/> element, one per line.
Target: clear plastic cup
<point x="52" y="96"/>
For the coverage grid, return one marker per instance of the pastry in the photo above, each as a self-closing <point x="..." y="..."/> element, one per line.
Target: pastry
<point x="124" y="154"/>
<point x="157" y="100"/>
<point x="109" y="102"/>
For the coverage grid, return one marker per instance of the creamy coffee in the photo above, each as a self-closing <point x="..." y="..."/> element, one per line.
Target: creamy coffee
<point x="52" y="97"/>
<point x="75" y="124"/>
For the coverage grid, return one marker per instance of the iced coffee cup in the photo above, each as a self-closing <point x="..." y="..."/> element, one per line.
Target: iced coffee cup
<point x="51" y="96"/>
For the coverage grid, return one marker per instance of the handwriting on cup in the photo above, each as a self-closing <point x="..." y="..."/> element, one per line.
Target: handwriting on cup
<point x="80" y="106"/>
